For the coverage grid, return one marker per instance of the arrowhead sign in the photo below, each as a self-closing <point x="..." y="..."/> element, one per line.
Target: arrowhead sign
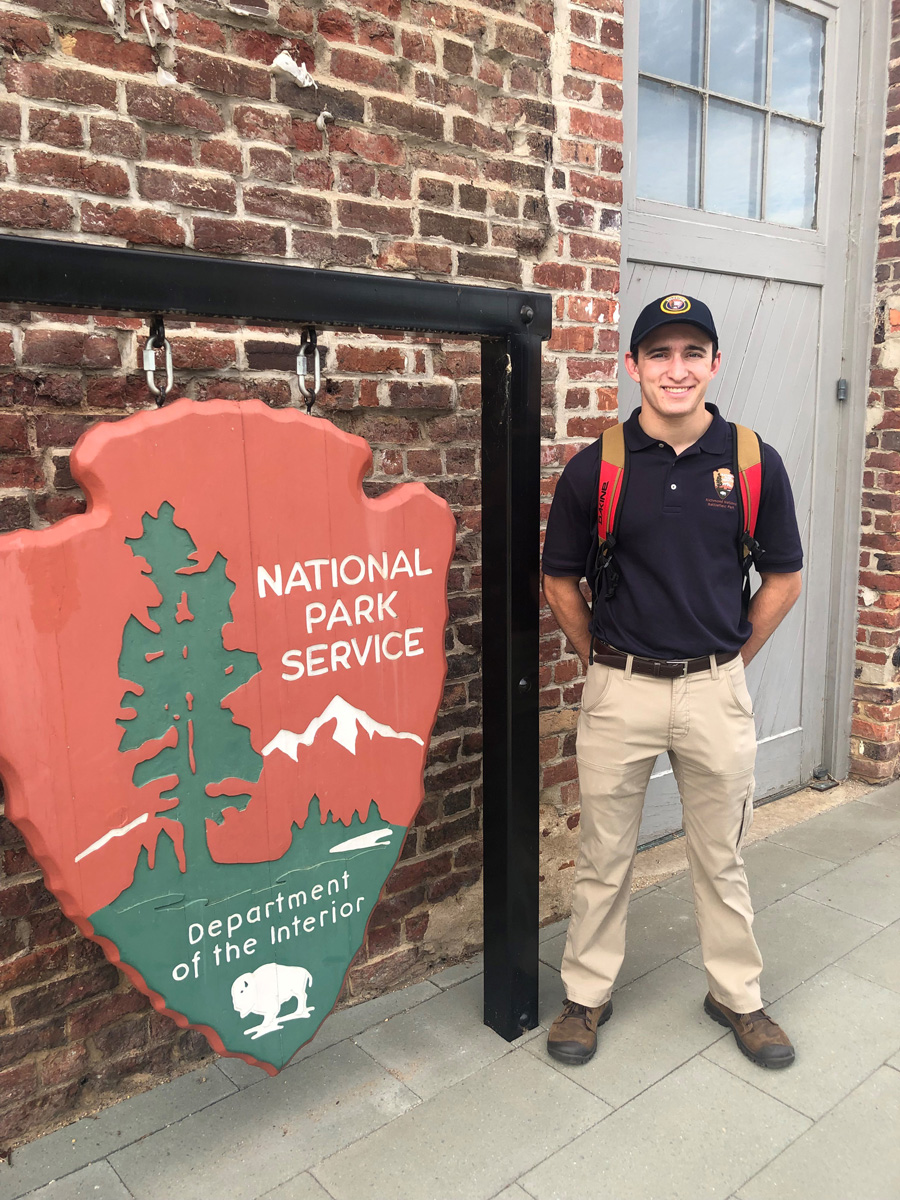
<point x="217" y="692"/>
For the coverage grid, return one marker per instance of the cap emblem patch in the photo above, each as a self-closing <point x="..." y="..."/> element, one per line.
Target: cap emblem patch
<point x="723" y="481"/>
<point x="675" y="304"/>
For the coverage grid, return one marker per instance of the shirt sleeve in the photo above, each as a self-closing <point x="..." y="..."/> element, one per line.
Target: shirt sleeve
<point x="570" y="526"/>
<point x="776" y="529"/>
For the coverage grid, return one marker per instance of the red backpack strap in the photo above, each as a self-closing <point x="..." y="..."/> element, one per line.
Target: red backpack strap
<point x="613" y="462"/>
<point x="749" y="467"/>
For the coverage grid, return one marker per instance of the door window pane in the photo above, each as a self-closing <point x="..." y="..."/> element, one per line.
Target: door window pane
<point x="671" y="39"/>
<point x="734" y="145"/>
<point x="732" y="121"/>
<point x="668" y="144"/>
<point x="792" y="173"/>
<point x="738" y="40"/>
<point x="799" y="41"/>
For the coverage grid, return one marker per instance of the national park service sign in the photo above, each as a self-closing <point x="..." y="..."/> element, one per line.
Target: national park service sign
<point x="217" y="692"/>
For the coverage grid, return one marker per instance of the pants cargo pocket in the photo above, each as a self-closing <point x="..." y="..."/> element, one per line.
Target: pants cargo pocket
<point x="747" y="815"/>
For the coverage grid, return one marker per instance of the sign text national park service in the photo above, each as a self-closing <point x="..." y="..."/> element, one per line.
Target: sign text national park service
<point x="216" y="695"/>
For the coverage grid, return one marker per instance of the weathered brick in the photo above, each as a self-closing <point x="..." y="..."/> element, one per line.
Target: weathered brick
<point x="57" y="429"/>
<point x="187" y="188"/>
<point x="10" y="120"/>
<point x="66" y="347"/>
<point x="375" y="148"/>
<point x="222" y="75"/>
<point x="13" y="434"/>
<point x="105" y="50"/>
<point x="94" y="1015"/>
<point x="420" y="395"/>
<point x="85" y="10"/>
<point x="64" y="1065"/>
<point x="31" y="210"/>
<point x="40" y="390"/>
<point x="72" y="171"/>
<point x="35" y="967"/>
<point x="490" y="266"/>
<point x="367" y="359"/>
<point x="377" y="218"/>
<point x="202" y="352"/>
<point x="169" y="147"/>
<point x="464" y="231"/>
<point x="42" y="82"/>
<point x="55" y="127"/>
<point x="336" y="26"/>
<point x="377" y="34"/>
<point x="409" y="117"/>
<point x="109" y="136"/>
<point x="416" y="256"/>
<point x="263" y="124"/>
<point x="17" y="1083"/>
<point x="221" y="156"/>
<point x="239" y="237"/>
<point x="198" y="31"/>
<point x="32" y="1005"/>
<point x="21" y="35"/>
<point x="597" y="62"/>
<point x="166" y="106"/>
<point x="365" y="69"/>
<point x="14" y="514"/>
<point x="138" y="226"/>
<point x="15" y="1046"/>
<point x="274" y="202"/>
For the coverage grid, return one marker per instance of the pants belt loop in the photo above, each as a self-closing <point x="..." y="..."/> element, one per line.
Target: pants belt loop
<point x="629" y="662"/>
<point x="713" y="666"/>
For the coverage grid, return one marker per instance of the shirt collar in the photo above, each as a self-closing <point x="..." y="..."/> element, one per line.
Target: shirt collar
<point x="713" y="441"/>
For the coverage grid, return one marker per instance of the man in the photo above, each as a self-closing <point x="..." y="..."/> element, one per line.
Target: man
<point x="668" y="647"/>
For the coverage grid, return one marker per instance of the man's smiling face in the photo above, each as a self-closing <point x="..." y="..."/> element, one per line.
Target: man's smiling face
<point x="674" y="366"/>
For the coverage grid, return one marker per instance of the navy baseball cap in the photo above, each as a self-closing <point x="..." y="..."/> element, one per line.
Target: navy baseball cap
<point x="674" y="307"/>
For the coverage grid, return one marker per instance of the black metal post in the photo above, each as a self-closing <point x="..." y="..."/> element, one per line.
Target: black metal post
<point x="510" y="473"/>
<point x="54" y="274"/>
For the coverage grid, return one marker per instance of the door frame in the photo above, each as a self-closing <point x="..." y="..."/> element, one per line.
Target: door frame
<point x="863" y="129"/>
<point x="859" y="314"/>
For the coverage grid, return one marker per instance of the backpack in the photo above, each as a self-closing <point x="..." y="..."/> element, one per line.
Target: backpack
<point x="748" y="464"/>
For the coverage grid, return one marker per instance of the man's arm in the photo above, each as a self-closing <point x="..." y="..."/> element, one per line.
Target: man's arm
<point x="568" y="605"/>
<point x="768" y="608"/>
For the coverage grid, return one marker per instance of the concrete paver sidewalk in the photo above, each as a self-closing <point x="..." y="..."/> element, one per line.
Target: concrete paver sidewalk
<point x="410" y="1097"/>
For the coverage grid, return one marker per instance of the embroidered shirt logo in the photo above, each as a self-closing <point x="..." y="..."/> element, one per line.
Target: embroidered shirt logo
<point x="675" y="304"/>
<point x="723" y="481"/>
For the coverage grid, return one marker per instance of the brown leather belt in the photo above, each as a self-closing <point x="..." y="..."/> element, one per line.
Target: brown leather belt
<point x="661" y="668"/>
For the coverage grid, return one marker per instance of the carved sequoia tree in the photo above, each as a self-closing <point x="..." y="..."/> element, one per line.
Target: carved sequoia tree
<point x="179" y="674"/>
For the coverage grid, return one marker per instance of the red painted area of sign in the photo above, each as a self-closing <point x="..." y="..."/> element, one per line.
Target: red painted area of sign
<point x="265" y="489"/>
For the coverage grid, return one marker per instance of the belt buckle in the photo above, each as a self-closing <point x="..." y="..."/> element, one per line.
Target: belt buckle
<point x="678" y="662"/>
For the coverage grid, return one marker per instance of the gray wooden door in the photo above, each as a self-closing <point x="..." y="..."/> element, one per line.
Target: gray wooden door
<point x="763" y="136"/>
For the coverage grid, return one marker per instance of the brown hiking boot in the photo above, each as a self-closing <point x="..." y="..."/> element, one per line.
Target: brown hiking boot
<point x="763" y="1042"/>
<point x="573" y="1035"/>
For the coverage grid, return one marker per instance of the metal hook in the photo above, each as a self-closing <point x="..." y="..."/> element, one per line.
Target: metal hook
<point x="307" y="341"/>
<point x="157" y="340"/>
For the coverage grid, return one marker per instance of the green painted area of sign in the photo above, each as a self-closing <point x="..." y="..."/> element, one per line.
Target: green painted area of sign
<point x="256" y="950"/>
<point x="185" y="672"/>
<point x="230" y="944"/>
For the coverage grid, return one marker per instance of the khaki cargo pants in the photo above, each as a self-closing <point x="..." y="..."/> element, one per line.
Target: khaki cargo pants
<point x="705" y="722"/>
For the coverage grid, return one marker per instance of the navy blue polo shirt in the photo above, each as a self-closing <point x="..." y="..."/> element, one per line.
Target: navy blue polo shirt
<point x="679" y="591"/>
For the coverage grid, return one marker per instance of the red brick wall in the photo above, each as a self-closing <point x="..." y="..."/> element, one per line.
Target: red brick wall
<point x="471" y="140"/>
<point x="875" y="737"/>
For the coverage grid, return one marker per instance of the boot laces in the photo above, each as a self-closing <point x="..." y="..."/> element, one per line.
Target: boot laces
<point x="571" y="1009"/>
<point x="759" y="1017"/>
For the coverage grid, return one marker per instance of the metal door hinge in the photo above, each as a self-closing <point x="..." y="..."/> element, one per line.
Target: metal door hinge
<point x="843" y="389"/>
